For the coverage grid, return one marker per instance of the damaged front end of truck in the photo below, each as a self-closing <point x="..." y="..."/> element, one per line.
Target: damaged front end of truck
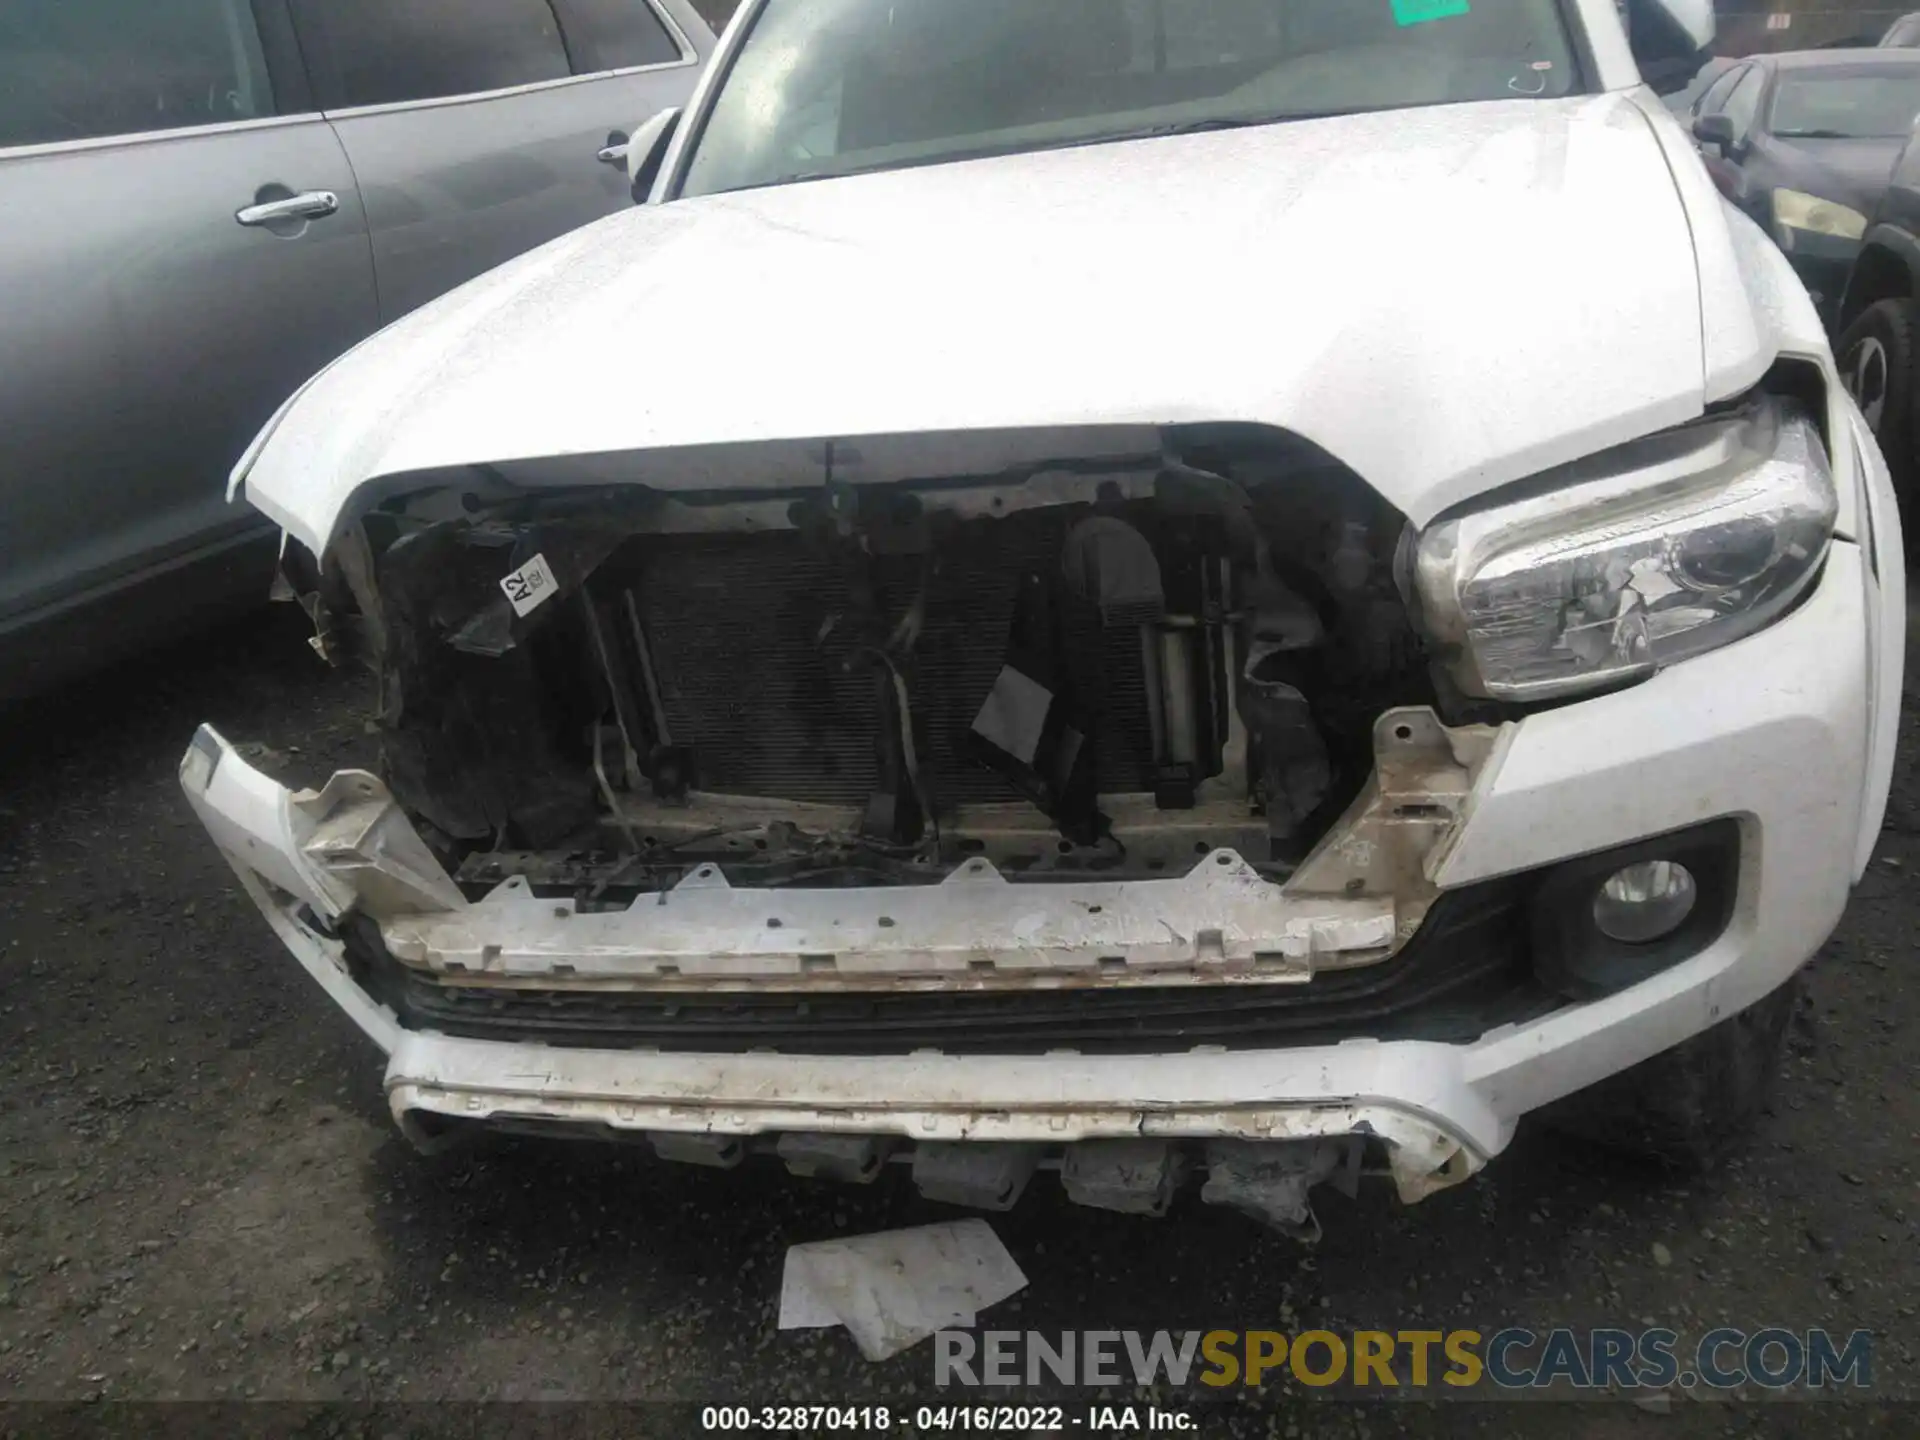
<point x="892" y="752"/>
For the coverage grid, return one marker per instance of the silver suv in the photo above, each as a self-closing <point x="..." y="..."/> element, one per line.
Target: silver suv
<point x="209" y="200"/>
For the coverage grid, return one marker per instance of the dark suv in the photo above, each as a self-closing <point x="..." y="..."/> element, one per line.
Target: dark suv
<point x="1878" y="323"/>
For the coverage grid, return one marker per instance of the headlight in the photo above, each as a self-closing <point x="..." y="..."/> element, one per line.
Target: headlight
<point x="1793" y="210"/>
<point x="1610" y="568"/>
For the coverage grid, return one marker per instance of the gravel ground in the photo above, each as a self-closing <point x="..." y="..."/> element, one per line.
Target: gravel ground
<point x="201" y="1196"/>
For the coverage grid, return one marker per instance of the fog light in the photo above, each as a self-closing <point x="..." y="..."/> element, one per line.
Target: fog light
<point x="1641" y="903"/>
<point x="1602" y="922"/>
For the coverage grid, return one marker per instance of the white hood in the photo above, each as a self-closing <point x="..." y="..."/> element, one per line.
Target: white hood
<point x="1445" y="299"/>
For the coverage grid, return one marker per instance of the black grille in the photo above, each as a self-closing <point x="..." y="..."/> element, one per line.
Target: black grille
<point x="769" y="708"/>
<point x="1464" y="972"/>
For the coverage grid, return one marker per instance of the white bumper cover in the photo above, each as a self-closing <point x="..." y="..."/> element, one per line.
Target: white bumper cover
<point x="1778" y="731"/>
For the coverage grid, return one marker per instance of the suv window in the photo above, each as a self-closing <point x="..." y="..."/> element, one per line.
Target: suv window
<point x="124" y="67"/>
<point x="615" y="34"/>
<point x="1744" y="103"/>
<point x="1715" y="98"/>
<point x="1850" y="102"/>
<point x="376" y="52"/>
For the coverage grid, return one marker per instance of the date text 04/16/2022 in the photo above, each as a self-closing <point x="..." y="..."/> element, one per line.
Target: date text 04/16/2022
<point x="942" y="1419"/>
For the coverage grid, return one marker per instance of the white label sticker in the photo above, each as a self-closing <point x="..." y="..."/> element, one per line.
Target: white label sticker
<point x="531" y="586"/>
<point x="1014" y="716"/>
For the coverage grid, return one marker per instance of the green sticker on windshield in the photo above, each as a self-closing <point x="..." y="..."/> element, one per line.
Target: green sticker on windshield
<point x="1419" y="12"/>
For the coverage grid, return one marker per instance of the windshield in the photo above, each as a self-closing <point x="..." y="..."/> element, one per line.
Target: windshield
<point x="832" y="87"/>
<point x="1858" y="106"/>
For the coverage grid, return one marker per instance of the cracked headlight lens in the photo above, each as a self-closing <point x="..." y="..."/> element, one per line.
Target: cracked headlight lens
<point x="1606" y="570"/>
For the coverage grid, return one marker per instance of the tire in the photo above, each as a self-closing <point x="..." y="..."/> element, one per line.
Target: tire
<point x="1688" y="1106"/>
<point x="1876" y="355"/>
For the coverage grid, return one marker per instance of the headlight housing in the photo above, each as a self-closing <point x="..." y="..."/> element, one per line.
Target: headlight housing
<point x="1794" y="210"/>
<point x="1608" y="569"/>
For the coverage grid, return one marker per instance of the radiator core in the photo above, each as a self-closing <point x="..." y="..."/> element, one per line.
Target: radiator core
<point x="751" y="633"/>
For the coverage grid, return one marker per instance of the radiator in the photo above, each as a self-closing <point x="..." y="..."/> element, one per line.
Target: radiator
<point x="735" y="624"/>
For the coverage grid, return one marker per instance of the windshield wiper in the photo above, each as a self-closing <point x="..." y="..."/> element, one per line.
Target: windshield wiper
<point x="1030" y="147"/>
<point x="1813" y="135"/>
<point x="912" y="162"/>
<point x="1220" y="122"/>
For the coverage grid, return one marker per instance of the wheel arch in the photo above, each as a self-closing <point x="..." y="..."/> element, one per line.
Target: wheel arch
<point x="1887" y="268"/>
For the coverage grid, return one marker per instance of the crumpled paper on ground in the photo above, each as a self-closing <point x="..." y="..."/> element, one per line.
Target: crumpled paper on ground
<point x="893" y="1289"/>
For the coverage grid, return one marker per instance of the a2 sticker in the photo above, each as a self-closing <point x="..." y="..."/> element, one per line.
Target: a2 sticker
<point x="531" y="586"/>
<point x="1419" y="12"/>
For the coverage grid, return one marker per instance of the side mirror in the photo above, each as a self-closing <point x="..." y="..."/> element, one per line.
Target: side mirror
<point x="1715" y="130"/>
<point x="647" y="149"/>
<point x="1670" y="39"/>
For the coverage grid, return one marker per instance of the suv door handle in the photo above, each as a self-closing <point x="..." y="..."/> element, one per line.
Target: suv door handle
<point x="310" y="206"/>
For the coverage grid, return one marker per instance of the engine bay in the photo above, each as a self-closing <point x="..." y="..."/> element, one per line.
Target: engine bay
<point x="1091" y="668"/>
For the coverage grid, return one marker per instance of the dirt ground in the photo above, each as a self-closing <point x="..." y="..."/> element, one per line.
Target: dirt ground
<point x="202" y="1198"/>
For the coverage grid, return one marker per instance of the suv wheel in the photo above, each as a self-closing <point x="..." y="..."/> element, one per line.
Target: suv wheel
<point x="1687" y="1106"/>
<point x="1876" y="359"/>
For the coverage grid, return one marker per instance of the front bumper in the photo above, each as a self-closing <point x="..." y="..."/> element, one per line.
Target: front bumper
<point x="1776" y="732"/>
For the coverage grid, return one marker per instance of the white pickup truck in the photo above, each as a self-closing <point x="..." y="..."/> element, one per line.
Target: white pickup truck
<point x="1250" y="589"/>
